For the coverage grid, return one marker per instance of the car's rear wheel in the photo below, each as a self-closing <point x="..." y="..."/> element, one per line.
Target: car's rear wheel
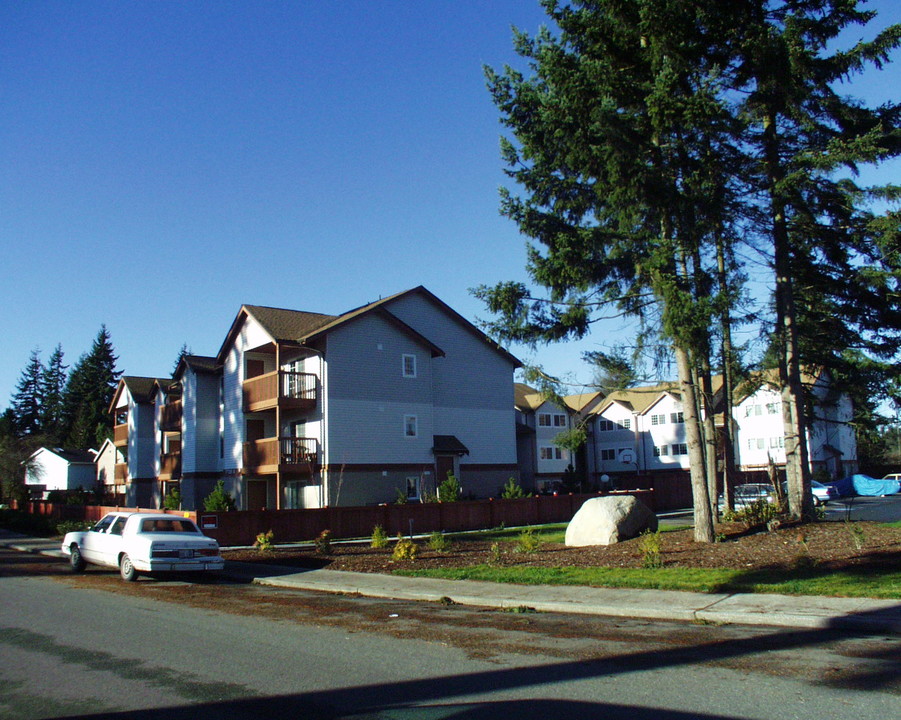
<point x="127" y="569"/>
<point x="76" y="561"/>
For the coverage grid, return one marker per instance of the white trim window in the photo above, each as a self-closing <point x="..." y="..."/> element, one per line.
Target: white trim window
<point x="661" y="450"/>
<point x="413" y="487"/>
<point x="559" y="420"/>
<point x="550" y="453"/>
<point x="677" y="417"/>
<point x="408" y="365"/>
<point x="608" y="454"/>
<point x="658" y="419"/>
<point x="680" y="449"/>
<point x="411" y="426"/>
<point x="544" y="419"/>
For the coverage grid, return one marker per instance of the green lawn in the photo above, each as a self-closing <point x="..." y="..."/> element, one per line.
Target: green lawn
<point x="809" y="581"/>
<point x="864" y="582"/>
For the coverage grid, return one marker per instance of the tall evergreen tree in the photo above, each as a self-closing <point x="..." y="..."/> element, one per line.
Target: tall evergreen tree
<point x="620" y="134"/>
<point x="26" y="402"/>
<point x="89" y="392"/>
<point x="804" y="132"/>
<point x="53" y="385"/>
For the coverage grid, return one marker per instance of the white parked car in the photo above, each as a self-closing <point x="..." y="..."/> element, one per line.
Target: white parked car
<point x="143" y="543"/>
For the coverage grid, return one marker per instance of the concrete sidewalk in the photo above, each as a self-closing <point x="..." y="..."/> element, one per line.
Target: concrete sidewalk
<point x="861" y="614"/>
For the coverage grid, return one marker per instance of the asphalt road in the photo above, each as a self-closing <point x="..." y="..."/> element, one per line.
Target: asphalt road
<point x="93" y="646"/>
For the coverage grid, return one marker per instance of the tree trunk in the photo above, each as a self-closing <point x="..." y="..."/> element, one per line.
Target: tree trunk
<point x="702" y="517"/>
<point x="728" y="381"/>
<point x="800" y="501"/>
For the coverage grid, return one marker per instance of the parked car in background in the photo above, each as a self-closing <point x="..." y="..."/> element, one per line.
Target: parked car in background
<point x="143" y="543"/>
<point x="822" y="494"/>
<point x="893" y="476"/>
<point x="745" y="495"/>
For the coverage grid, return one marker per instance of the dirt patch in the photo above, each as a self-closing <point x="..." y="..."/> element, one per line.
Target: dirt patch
<point x="828" y="545"/>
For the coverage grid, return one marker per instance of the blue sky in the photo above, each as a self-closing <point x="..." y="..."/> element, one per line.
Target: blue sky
<point x="163" y="163"/>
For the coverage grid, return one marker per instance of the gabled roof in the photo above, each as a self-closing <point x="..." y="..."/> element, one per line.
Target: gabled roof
<point x="142" y="389"/>
<point x="527" y="398"/>
<point x="637" y="399"/>
<point x="299" y="327"/>
<point x="73" y="457"/>
<point x="198" y="363"/>
<point x="580" y="402"/>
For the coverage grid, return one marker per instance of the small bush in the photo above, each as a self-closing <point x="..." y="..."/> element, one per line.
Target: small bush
<point x="650" y="550"/>
<point x="757" y="513"/>
<point x="400" y="496"/>
<point x="379" y="537"/>
<point x="67" y="526"/>
<point x="323" y="542"/>
<point x="528" y="541"/>
<point x="263" y="542"/>
<point x="404" y="549"/>
<point x="512" y="490"/>
<point x="449" y="490"/>
<point x="438" y="541"/>
<point x="496" y="553"/>
<point x="219" y="500"/>
<point x="857" y="535"/>
<point x="172" y="501"/>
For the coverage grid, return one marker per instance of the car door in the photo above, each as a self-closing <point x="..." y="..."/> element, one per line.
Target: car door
<point x="108" y="543"/>
<point x="93" y="540"/>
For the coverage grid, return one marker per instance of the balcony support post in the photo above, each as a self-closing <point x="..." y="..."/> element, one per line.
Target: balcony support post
<point x="278" y="423"/>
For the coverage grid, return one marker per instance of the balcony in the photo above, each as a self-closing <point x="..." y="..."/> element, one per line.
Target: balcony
<point x="170" y="416"/>
<point x="170" y="465"/>
<point x="121" y="473"/>
<point x="286" y="455"/>
<point x="287" y="390"/>
<point x="120" y="435"/>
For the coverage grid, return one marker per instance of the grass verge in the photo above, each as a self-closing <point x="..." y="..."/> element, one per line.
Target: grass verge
<point x="868" y="582"/>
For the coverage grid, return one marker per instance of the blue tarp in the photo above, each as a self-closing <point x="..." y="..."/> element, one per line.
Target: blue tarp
<point x="865" y="485"/>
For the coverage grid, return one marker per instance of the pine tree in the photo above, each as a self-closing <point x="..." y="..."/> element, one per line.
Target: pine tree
<point x="804" y="132"/>
<point x="89" y="392"/>
<point x="53" y="385"/>
<point x="621" y="137"/>
<point x="26" y="402"/>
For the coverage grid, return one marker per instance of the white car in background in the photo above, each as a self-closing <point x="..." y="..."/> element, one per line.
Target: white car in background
<point x="143" y="543"/>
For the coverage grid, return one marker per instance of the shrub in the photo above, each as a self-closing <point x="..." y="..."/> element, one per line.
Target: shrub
<point x="449" y="489"/>
<point x="323" y="542"/>
<point x="528" y="541"/>
<point x="263" y="542"/>
<point x="496" y="553"/>
<point x="404" y="549"/>
<point x="650" y="549"/>
<point x="512" y="490"/>
<point x="172" y="501"/>
<point x="757" y="513"/>
<point x="379" y="537"/>
<point x="438" y="541"/>
<point x="400" y="496"/>
<point x="67" y="526"/>
<point x="219" y="500"/>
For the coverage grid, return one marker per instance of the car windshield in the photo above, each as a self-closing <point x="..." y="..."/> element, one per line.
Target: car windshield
<point x="169" y="525"/>
<point x="103" y="523"/>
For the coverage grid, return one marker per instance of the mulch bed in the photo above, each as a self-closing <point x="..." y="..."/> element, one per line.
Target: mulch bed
<point x="830" y="545"/>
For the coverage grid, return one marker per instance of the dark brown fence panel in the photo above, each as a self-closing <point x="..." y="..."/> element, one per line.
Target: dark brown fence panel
<point x="241" y="528"/>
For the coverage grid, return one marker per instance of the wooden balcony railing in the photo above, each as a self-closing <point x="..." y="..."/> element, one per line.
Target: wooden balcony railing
<point x="121" y="473"/>
<point x="280" y="388"/>
<point x="287" y="454"/>
<point x="120" y="435"/>
<point x="170" y="466"/>
<point x="170" y="416"/>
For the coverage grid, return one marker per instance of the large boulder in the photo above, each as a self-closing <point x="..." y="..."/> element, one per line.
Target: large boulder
<point x="607" y="520"/>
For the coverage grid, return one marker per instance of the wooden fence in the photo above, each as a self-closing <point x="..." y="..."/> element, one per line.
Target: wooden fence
<point x="240" y="528"/>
